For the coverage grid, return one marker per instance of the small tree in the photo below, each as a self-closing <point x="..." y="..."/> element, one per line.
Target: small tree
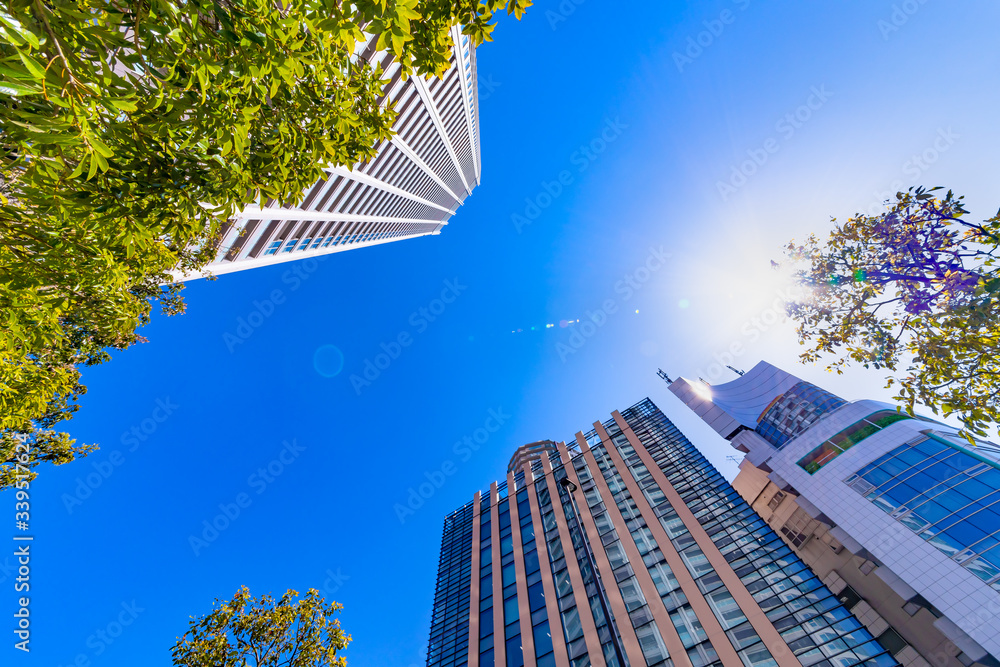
<point x="915" y="287"/>
<point x="259" y="632"/>
<point x="130" y="131"/>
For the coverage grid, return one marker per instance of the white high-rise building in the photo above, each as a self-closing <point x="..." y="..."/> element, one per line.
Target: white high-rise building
<point x="898" y="515"/>
<point x="411" y="188"/>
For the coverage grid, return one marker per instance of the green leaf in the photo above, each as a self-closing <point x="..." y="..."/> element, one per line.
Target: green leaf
<point x="14" y="89"/>
<point x="33" y="66"/>
<point x="124" y="105"/>
<point x="101" y="147"/>
<point x="79" y="169"/>
<point x="93" y="166"/>
<point x="13" y="26"/>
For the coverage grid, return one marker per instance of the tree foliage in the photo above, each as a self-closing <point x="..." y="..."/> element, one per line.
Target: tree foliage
<point x="132" y="130"/>
<point x="915" y="290"/>
<point x="262" y="632"/>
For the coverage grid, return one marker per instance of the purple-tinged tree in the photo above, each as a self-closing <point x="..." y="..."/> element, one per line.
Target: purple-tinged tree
<point x="916" y="291"/>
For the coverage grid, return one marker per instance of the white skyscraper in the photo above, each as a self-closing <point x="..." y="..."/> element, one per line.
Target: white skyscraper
<point x="410" y="188"/>
<point x="898" y="515"/>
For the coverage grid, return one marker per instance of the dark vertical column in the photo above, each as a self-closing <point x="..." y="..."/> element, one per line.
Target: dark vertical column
<point x="523" y="610"/>
<point x="663" y="623"/>
<point x="630" y="643"/>
<point x="499" y="642"/>
<point x="474" y="585"/>
<point x="720" y="642"/>
<point x="572" y="566"/>
<point x="551" y="604"/>
<point x="761" y="624"/>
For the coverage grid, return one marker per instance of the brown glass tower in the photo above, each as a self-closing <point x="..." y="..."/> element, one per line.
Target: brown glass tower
<point x="626" y="547"/>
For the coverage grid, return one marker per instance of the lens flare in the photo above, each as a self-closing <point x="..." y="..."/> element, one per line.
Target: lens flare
<point x="328" y="360"/>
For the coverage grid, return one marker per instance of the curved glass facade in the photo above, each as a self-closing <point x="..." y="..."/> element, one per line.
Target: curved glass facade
<point x="947" y="496"/>
<point x="847" y="438"/>
<point x="795" y="411"/>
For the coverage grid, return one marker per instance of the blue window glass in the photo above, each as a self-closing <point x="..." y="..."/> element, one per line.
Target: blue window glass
<point x="944" y="494"/>
<point x="795" y="411"/>
<point x="547" y="660"/>
<point x="515" y="655"/>
<point x="508" y="574"/>
<point x="536" y="597"/>
<point x="510" y="610"/>
<point x="531" y="562"/>
<point x="449" y="637"/>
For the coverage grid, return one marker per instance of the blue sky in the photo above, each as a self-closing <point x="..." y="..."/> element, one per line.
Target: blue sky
<point x="834" y="105"/>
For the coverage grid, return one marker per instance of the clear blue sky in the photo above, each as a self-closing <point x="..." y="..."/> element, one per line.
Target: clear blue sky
<point x="878" y="97"/>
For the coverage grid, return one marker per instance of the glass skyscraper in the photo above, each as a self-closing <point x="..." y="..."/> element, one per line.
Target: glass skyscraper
<point x="627" y="548"/>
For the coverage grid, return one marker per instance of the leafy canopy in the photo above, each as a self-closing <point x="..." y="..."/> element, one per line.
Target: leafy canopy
<point x="131" y="131"/>
<point x="262" y="632"/>
<point x="917" y="290"/>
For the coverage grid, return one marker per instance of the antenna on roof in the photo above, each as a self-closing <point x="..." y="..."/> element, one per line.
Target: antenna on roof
<point x="740" y="373"/>
<point x="663" y="376"/>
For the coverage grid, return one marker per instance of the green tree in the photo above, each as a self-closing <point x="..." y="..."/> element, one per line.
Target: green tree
<point x="259" y="632"/>
<point x="914" y="290"/>
<point x="131" y="131"/>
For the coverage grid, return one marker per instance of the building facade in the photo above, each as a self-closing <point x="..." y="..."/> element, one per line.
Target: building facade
<point x="898" y="515"/>
<point x="411" y="188"/>
<point x="533" y="451"/>
<point x="627" y="548"/>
